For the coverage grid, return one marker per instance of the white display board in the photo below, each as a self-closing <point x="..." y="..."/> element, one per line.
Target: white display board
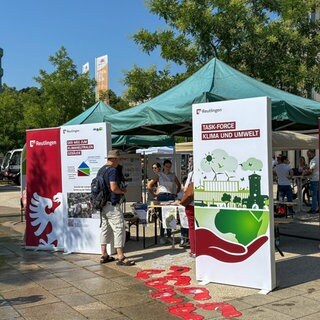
<point x="132" y="172"/>
<point x="233" y="193"/>
<point x="83" y="152"/>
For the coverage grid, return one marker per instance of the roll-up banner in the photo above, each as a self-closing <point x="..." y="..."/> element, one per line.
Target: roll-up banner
<point x="233" y="193"/>
<point x="83" y="150"/>
<point x="44" y="210"/>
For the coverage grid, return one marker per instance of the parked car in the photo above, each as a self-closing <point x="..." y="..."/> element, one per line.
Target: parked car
<point x="11" y="166"/>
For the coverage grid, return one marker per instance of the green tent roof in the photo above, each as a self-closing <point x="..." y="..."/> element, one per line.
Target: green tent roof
<point x="171" y="112"/>
<point x="96" y="114"/>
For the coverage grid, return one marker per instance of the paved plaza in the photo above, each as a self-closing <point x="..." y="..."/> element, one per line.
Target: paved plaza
<point x="53" y="285"/>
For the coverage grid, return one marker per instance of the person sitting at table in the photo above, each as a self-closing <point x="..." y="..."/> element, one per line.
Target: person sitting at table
<point x="283" y="172"/>
<point x="302" y="166"/>
<point x="156" y="168"/>
<point x="168" y="187"/>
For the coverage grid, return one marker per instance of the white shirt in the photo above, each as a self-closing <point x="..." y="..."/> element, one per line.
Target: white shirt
<point x="314" y="166"/>
<point x="167" y="183"/>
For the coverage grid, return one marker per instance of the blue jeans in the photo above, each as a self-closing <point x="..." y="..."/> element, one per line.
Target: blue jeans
<point x="164" y="197"/>
<point x="314" y="185"/>
<point x="285" y="191"/>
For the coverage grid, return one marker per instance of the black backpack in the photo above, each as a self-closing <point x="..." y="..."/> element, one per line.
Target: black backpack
<point x="100" y="192"/>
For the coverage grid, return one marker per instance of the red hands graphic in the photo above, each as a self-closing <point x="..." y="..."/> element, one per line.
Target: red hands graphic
<point x="179" y="280"/>
<point x="167" y="293"/>
<point x="159" y="284"/>
<point x="145" y="274"/>
<point x="199" y="293"/>
<point x="184" y="311"/>
<point x="178" y="271"/>
<point x="166" y="296"/>
<point x="226" y="309"/>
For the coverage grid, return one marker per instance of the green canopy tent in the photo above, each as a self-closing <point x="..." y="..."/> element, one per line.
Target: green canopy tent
<point x="171" y="112"/>
<point x="99" y="110"/>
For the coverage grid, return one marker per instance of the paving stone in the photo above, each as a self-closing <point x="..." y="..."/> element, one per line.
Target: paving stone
<point x="97" y="285"/>
<point x="76" y="274"/>
<point x="153" y="309"/>
<point x="52" y="311"/>
<point x="263" y="313"/>
<point x="124" y="298"/>
<point x="59" y="292"/>
<point x="126" y="281"/>
<point x="55" y="283"/>
<point x="104" y="271"/>
<point x="8" y="313"/>
<point x="77" y="299"/>
<point x="296" y="307"/>
<point x="10" y="284"/>
<point x="29" y="296"/>
<point x="98" y="310"/>
<point x="314" y="316"/>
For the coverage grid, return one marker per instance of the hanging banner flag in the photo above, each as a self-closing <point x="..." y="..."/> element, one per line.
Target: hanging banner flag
<point x="233" y="193"/>
<point x="44" y="209"/>
<point x="83" y="151"/>
<point x="101" y="75"/>
<point x="85" y="68"/>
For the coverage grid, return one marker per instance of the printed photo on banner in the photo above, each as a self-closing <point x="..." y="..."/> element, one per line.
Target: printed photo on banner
<point x="169" y="217"/>
<point x="183" y="217"/>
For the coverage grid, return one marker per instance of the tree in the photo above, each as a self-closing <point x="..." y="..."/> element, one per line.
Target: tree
<point x="12" y="131"/>
<point x="65" y="92"/>
<point x="114" y="101"/>
<point x="144" y="84"/>
<point x="274" y="41"/>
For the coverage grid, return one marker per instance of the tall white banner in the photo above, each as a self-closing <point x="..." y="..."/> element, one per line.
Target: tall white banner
<point x="83" y="151"/>
<point x="233" y="193"/>
<point x="102" y="76"/>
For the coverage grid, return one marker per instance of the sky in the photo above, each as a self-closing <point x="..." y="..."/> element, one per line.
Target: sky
<point x="33" y="30"/>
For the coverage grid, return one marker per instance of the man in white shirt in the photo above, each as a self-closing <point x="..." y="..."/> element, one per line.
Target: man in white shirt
<point x="314" y="183"/>
<point x="283" y="172"/>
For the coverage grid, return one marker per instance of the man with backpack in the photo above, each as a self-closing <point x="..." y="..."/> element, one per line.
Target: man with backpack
<point x="112" y="223"/>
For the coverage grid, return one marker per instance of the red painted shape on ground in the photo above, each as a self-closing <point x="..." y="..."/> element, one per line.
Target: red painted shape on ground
<point x="159" y="284"/>
<point x="211" y="245"/>
<point x="199" y="293"/>
<point x="179" y="280"/>
<point x="226" y="309"/>
<point x="166" y="296"/>
<point x="145" y="274"/>
<point x="185" y="311"/>
<point x="178" y="270"/>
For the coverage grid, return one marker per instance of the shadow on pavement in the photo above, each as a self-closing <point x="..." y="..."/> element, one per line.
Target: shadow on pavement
<point x="22" y="300"/>
<point x="297" y="270"/>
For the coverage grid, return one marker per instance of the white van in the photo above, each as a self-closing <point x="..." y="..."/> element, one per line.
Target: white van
<point x="11" y="166"/>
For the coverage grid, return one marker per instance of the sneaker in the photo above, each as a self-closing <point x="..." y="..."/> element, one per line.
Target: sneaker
<point x="182" y="243"/>
<point x="162" y="240"/>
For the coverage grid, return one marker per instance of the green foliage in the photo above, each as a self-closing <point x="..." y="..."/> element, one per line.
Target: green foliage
<point x="144" y="84"/>
<point x="11" y="120"/>
<point x="113" y="100"/>
<point x="65" y="92"/>
<point x="274" y="41"/>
